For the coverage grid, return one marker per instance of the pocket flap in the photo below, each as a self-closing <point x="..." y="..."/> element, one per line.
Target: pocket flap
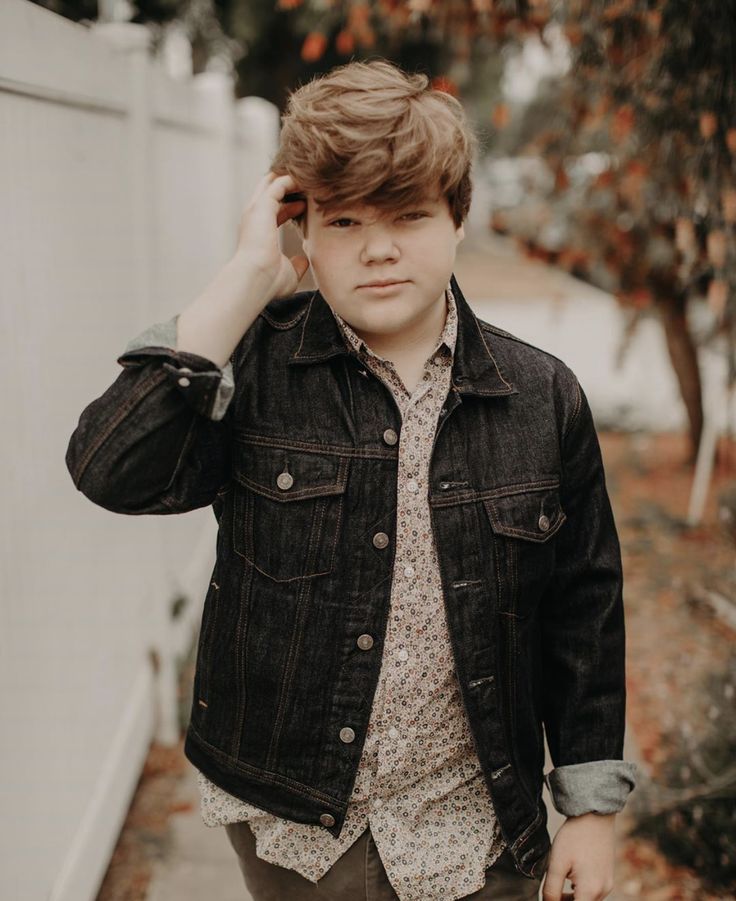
<point x="286" y="474"/>
<point x="532" y="513"/>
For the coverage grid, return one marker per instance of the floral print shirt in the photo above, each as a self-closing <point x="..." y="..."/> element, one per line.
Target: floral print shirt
<point x="419" y="785"/>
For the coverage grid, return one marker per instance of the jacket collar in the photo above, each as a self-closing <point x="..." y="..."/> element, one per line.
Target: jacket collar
<point x="474" y="368"/>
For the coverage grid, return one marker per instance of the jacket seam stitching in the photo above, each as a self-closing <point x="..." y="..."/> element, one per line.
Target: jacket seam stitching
<point x="259" y="773"/>
<point x="575" y="412"/>
<point x="488" y="351"/>
<point x="125" y="411"/>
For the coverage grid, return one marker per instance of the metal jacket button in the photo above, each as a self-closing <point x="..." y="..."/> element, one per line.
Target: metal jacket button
<point x="380" y="539"/>
<point x="184" y="382"/>
<point x="543" y="523"/>
<point x="285" y="480"/>
<point x="390" y="436"/>
<point x="365" y="642"/>
<point x="347" y="735"/>
<point x="327" y="819"/>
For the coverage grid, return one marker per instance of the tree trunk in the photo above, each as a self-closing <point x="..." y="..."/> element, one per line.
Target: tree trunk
<point x="684" y="359"/>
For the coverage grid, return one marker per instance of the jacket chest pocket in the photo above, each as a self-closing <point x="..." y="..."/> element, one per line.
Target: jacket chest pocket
<point x="524" y="519"/>
<point x="288" y="510"/>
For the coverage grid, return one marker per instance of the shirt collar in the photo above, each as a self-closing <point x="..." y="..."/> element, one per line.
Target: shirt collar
<point x="446" y="340"/>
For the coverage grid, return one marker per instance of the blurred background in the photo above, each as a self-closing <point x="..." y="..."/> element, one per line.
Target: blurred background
<point x="601" y="229"/>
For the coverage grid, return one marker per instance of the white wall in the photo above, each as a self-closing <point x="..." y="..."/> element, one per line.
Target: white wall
<point x="120" y="195"/>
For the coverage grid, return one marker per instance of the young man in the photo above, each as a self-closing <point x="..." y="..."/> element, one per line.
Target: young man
<point x="417" y="564"/>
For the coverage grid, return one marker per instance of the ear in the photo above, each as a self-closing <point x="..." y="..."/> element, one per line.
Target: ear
<point x="459" y="233"/>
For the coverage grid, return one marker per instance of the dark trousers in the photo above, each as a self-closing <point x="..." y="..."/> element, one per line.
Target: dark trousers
<point x="358" y="875"/>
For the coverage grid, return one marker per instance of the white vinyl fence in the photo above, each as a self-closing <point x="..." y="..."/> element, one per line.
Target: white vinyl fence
<point x="120" y="194"/>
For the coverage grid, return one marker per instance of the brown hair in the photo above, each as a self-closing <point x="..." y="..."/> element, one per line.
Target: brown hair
<point x="368" y="132"/>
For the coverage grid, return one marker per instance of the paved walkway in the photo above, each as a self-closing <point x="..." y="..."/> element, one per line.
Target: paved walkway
<point x="201" y="864"/>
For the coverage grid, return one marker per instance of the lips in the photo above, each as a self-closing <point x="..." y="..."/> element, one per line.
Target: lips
<point x="383" y="284"/>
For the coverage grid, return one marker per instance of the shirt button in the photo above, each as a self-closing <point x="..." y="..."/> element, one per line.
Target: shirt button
<point x="347" y="735"/>
<point x="393" y="733"/>
<point x="380" y="539"/>
<point x="412" y="485"/>
<point x="408" y="570"/>
<point x="377" y="802"/>
<point x="403" y="655"/>
<point x="390" y="436"/>
<point x="327" y="819"/>
<point x="184" y="382"/>
<point x="543" y="523"/>
<point x="285" y="480"/>
<point x="365" y="642"/>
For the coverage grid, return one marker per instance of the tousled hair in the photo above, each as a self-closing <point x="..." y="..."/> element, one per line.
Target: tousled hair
<point x="371" y="133"/>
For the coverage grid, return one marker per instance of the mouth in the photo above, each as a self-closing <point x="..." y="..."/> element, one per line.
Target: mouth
<point x="387" y="283"/>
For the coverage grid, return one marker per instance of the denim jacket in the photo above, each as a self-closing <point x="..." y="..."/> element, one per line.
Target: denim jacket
<point x="293" y="444"/>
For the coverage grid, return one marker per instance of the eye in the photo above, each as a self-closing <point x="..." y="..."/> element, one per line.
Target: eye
<point x="418" y="213"/>
<point x="337" y="221"/>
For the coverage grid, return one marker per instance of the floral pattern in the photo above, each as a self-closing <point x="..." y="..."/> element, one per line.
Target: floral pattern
<point x="419" y="784"/>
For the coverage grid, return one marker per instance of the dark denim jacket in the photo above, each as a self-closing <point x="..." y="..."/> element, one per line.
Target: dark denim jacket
<point x="300" y="467"/>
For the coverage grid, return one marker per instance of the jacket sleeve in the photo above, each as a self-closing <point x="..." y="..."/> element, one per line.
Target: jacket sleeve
<point x="157" y="440"/>
<point x="583" y="637"/>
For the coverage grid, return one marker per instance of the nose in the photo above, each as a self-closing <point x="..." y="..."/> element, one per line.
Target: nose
<point x="379" y="244"/>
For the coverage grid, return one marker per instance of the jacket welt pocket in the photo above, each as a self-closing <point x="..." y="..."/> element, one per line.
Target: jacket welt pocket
<point x="530" y="512"/>
<point x="288" y="509"/>
<point x="523" y="520"/>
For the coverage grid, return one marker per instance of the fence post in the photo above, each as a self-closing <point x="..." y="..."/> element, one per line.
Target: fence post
<point x="134" y="41"/>
<point x="216" y="91"/>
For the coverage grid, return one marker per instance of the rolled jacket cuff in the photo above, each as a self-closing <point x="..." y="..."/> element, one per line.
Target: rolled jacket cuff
<point x="207" y="387"/>
<point x="596" y="786"/>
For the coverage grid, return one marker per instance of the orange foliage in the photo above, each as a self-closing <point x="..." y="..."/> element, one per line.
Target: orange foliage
<point x="345" y="42"/>
<point x="359" y="15"/>
<point x="728" y="202"/>
<point x="314" y="46"/>
<point x="443" y="83"/>
<point x="717" y="295"/>
<point x="574" y="34"/>
<point x="500" y="115"/>
<point x="622" y="123"/>
<point x="717" y="245"/>
<point x="708" y="124"/>
<point x="561" y="179"/>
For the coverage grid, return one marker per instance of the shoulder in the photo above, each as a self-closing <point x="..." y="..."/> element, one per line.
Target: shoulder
<point x="519" y="353"/>
<point x="286" y="312"/>
<point x="532" y="369"/>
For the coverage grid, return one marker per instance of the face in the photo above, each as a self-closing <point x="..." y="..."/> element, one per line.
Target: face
<point x="414" y="248"/>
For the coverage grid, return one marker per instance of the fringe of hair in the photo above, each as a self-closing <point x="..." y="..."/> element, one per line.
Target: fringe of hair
<point x="370" y="133"/>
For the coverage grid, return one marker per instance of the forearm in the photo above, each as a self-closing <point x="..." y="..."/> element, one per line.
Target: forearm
<point x="146" y="445"/>
<point x="583" y="639"/>
<point x="213" y="324"/>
